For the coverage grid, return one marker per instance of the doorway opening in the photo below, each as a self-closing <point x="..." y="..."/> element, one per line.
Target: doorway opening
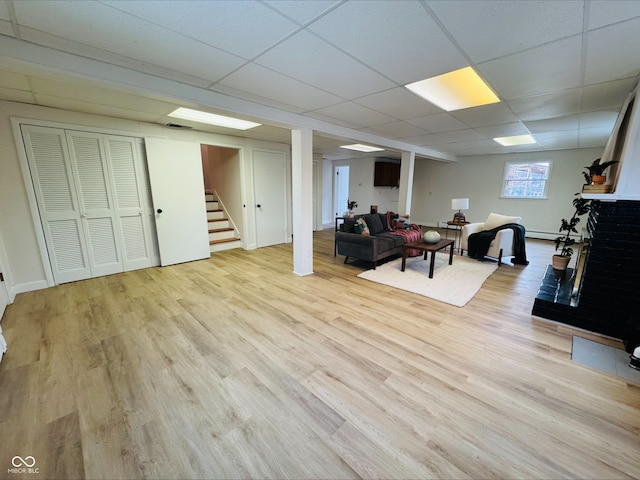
<point x="341" y="190"/>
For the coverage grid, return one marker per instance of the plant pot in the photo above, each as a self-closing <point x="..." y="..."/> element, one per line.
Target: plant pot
<point x="598" y="179"/>
<point x="559" y="262"/>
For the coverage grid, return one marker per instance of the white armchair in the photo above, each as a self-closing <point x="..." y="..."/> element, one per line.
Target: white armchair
<point x="502" y="245"/>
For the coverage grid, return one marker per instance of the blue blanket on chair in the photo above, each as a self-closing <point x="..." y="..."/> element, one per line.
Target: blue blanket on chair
<point x="480" y="242"/>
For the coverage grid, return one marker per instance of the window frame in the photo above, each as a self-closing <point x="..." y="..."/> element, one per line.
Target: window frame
<point x="509" y="163"/>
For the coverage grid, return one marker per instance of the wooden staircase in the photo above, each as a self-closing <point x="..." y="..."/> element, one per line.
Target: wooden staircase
<point x="222" y="236"/>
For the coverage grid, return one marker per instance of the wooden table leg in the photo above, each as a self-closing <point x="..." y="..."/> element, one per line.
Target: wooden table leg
<point x="433" y="261"/>
<point x="405" y="253"/>
<point x="451" y="255"/>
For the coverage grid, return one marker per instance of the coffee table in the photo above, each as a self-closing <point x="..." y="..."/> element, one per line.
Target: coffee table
<point x="426" y="248"/>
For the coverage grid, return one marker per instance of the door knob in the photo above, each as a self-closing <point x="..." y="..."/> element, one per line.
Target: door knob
<point x="259" y="206"/>
<point x="159" y="210"/>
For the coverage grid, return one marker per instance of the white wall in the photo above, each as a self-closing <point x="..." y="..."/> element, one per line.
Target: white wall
<point x="361" y="187"/>
<point x="480" y="179"/>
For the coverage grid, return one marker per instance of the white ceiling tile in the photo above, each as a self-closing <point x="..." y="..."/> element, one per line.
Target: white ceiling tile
<point x="466" y="135"/>
<point x="396" y="130"/>
<point x="302" y="12"/>
<point x="215" y="22"/>
<point x="13" y="80"/>
<point x="550" y="105"/>
<point x="602" y="119"/>
<point x="504" y="130"/>
<point x="6" y="28"/>
<point x="258" y="81"/>
<point x="550" y="68"/>
<point x="95" y="109"/>
<point x="593" y="137"/>
<point x="394" y="41"/>
<point x="357" y="114"/>
<point x="424" y="140"/>
<point x="571" y="122"/>
<point x="606" y="96"/>
<point x="564" y="139"/>
<point x="400" y="103"/>
<point x="99" y="26"/>
<point x="491" y="29"/>
<point x="606" y="12"/>
<point x="624" y="40"/>
<point x="307" y="58"/>
<point x="16" y="95"/>
<point x="494" y="114"/>
<point x="441" y="122"/>
<point x="99" y="96"/>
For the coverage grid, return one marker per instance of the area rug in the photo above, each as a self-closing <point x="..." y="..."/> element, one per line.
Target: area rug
<point x="454" y="284"/>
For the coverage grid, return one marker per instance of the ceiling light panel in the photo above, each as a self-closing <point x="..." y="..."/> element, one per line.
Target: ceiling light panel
<point x="362" y="148"/>
<point x="515" y="140"/>
<point x="455" y="90"/>
<point x="212" y="119"/>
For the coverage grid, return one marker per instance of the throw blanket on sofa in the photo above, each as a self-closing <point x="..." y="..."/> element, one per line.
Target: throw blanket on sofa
<point x="411" y="234"/>
<point x="480" y="242"/>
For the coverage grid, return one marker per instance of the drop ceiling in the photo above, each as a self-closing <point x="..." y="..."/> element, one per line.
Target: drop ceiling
<point x="562" y="69"/>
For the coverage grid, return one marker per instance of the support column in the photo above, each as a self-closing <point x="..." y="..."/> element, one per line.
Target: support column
<point x="302" y="195"/>
<point x="406" y="182"/>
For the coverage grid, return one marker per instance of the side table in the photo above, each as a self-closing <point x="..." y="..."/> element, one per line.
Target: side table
<point x="457" y="232"/>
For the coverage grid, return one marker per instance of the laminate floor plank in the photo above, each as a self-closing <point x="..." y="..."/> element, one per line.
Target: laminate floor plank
<point x="235" y="367"/>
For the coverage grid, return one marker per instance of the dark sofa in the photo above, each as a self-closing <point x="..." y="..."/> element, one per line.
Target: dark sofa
<point x="377" y="245"/>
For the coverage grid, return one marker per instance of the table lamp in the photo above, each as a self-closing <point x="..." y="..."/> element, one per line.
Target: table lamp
<point x="459" y="204"/>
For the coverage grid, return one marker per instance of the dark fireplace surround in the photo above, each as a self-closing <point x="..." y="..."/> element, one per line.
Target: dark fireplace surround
<point x="602" y="294"/>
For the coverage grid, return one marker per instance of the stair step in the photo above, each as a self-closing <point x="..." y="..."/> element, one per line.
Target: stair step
<point x="224" y="240"/>
<point x="216" y="230"/>
<point x="210" y="198"/>
<point x="212" y="205"/>
<point x="221" y="234"/>
<point x="218" y="223"/>
<point x="216" y="215"/>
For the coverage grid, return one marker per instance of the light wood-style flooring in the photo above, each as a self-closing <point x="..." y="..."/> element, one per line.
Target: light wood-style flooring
<point x="234" y="367"/>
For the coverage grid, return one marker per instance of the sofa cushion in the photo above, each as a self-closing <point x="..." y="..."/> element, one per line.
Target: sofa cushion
<point x="374" y="223"/>
<point x="495" y="220"/>
<point x="384" y="243"/>
<point x="396" y="240"/>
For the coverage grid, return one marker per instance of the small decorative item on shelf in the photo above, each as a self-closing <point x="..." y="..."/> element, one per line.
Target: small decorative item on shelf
<point x="596" y="170"/>
<point x="351" y="204"/>
<point x="459" y="204"/>
<point x="431" y="237"/>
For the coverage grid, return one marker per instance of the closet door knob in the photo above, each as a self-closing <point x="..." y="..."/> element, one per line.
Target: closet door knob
<point x="159" y="210"/>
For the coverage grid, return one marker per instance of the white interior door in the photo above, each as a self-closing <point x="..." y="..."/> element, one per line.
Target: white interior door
<point x="95" y="196"/>
<point x="270" y="188"/>
<point x="50" y="167"/>
<point x="177" y="188"/>
<point x="342" y="190"/>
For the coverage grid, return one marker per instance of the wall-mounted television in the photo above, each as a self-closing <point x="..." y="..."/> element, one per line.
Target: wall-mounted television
<point x="386" y="174"/>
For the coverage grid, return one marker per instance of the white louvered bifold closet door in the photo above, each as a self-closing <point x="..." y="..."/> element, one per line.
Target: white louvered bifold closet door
<point x="50" y="167"/>
<point x="128" y="178"/>
<point x="96" y="202"/>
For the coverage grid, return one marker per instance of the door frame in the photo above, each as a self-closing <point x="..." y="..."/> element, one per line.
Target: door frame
<point x="334" y="201"/>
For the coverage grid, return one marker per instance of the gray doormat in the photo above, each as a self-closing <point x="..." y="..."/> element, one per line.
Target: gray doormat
<point x="603" y="357"/>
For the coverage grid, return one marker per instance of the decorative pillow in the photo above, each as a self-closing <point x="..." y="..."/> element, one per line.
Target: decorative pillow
<point x="374" y="223"/>
<point x="495" y="220"/>
<point x="364" y="230"/>
<point x="357" y="228"/>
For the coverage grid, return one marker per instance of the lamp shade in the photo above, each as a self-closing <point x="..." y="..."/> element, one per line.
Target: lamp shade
<point x="460" y="204"/>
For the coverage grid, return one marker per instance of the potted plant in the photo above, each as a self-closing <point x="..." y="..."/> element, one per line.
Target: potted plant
<point x="596" y="170"/>
<point x="351" y="204"/>
<point x="567" y="227"/>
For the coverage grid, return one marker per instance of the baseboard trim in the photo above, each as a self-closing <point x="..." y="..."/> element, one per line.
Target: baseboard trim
<point x="27" y="287"/>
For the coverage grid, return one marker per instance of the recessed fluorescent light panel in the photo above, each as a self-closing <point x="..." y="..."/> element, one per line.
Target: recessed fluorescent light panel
<point x="515" y="140"/>
<point x="212" y="119"/>
<point x="455" y="90"/>
<point x="362" y="148"/>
